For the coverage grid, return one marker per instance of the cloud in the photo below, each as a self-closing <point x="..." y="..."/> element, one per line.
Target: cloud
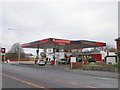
<point x="60" y="19"/>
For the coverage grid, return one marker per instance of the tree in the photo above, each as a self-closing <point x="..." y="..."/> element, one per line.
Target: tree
<point x="16" y="48"/>
<point x="14" y="52"/>
<point x="112" y="49"/>
<point x="107" y="48"/>
<point x="14" y="55"/>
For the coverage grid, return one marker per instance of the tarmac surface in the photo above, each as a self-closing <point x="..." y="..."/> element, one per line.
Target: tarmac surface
<point x="86" y="72"/>
<point x="53" y="76"/>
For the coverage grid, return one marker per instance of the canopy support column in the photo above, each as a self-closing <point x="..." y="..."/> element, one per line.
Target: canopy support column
<point x="37" y="51"/>
<point x="54" y="50"/>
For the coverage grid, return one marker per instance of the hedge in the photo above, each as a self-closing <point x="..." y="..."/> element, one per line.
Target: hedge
<point x="99" y="68"/>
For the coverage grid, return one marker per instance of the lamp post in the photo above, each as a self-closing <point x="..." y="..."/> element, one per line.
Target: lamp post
<point x="18" y="44"/>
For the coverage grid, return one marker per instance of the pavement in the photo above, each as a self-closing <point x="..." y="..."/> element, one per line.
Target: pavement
<point x="78" y="71"/>
<point x="98" y="73"/>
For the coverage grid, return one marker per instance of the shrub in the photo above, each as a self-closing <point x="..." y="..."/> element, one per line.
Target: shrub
<point x="92" y="63"/>
<point x="101" y="63"/>
<point x="115" y="65"/>
<point x="99" y="68"/>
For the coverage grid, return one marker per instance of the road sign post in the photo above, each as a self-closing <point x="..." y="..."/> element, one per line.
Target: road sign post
<point x="3" y="54"/>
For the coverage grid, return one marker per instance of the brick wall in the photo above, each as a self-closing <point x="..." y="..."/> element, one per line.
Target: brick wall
<point x="118" y="45"/>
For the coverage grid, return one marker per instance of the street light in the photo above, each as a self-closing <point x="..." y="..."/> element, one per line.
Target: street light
<point x="18" y="44"/>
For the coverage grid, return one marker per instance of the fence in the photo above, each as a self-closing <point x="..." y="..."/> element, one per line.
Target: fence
<point x="27" y="61"/>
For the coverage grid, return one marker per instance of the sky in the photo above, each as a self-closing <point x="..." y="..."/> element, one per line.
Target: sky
<point x="31" y="20"/>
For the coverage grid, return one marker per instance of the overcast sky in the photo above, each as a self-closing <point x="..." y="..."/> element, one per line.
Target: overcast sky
<point x="94" y="20"/>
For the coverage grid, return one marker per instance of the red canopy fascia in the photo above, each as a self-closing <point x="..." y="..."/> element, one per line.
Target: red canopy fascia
<point x="61" y="42"/>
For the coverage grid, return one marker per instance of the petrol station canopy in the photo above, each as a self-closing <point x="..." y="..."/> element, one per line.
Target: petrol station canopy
<point x="62" y="44"/>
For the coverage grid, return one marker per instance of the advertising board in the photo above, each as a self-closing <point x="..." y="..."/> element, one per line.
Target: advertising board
<point x="73" y="59"/>
<point x="111" y="60"/>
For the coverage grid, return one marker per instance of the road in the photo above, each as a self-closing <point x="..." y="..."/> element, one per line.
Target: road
<point x="20" y="76"/>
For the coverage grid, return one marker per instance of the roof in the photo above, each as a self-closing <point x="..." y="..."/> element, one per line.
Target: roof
<point x="118" y="39"/>
<point x="62" y="44"/>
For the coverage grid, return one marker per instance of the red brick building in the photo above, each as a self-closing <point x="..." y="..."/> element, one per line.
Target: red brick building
<point x="118" y="44"/>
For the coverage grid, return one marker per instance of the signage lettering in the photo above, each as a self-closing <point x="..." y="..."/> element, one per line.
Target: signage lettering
<point x="61" y="41"/>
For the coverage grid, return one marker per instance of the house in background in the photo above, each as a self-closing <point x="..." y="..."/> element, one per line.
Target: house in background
<point x="118" y="46"/>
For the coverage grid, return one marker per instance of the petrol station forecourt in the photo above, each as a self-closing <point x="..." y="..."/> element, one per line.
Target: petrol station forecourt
<point x="58" y="44"/>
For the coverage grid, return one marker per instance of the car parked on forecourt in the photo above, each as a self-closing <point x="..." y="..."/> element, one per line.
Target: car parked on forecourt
<point x="63" y="61"/>
<point x="89" y="60"/>
<point x="41" y="62"/>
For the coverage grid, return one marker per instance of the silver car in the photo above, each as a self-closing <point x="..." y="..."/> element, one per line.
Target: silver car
<point x="63" y="61"/>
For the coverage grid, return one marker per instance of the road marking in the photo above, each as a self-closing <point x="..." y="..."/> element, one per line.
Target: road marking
<point x="71" y="83"/>
<point x="24" y="81"/>
<point x="48" y="78"/>
<point x="82" y="85"/>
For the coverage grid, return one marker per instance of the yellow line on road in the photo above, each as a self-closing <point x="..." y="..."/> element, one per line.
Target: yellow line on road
<point x="30" y="83"/>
